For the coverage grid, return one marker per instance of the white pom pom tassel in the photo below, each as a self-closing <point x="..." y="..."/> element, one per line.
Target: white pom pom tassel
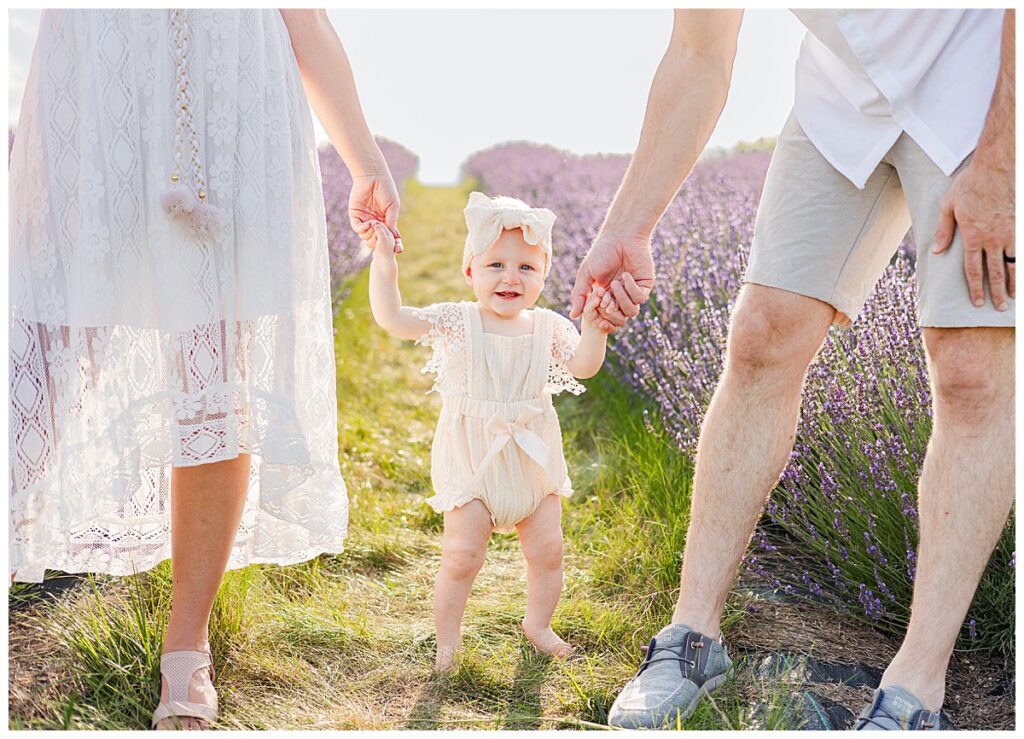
<point x="207" y="220"/>
<point x="178" y="201"/>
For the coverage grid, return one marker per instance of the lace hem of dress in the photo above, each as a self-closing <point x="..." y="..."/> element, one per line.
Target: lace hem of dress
<point x="34" y="573"/>
<point x="269" y="534"/>
<point x="294" y="509"/>
<point x="100" y="415"/>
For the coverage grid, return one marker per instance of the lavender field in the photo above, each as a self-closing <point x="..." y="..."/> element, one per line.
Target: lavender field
<point x="842" y="525"/>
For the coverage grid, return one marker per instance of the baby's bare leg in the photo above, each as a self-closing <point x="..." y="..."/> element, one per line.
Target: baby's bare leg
<point x="540" y="536"/>
<point x="463" y="546"/>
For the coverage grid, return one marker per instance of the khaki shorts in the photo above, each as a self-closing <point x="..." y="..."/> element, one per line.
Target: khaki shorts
<point x="817" y="235"/>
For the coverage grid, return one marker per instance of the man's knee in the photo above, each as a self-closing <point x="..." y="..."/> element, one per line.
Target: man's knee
<point x="972" y="369"/>
<point x="773" y="333"/>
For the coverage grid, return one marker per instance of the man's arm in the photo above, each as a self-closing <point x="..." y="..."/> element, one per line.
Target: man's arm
<point x="981" y="200"/>
<point x="686" y="98"/>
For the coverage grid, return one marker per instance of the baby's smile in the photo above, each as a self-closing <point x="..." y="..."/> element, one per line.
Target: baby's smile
<point x="509" y="276"/>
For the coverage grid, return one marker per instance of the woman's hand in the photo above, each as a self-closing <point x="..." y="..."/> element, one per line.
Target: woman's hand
<point x="374" y="199"/>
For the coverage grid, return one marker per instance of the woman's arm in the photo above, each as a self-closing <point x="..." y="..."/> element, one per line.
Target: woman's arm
<point x="331" y="89"/>
<point x="385" y="298"/>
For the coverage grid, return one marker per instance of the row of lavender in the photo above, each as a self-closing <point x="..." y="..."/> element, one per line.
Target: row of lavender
<point x="348" y="255"/>
<point x="842" y="525"/>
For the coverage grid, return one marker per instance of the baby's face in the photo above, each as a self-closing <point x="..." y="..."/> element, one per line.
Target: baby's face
<point x="509" y="276"/>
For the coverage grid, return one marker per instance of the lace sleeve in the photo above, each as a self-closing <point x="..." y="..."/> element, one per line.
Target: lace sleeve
<point x="447" y="337"/>
<point x="564" y="340"/>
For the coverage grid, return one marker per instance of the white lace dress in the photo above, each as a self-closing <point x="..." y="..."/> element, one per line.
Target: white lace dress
<point x="135" y="345"/>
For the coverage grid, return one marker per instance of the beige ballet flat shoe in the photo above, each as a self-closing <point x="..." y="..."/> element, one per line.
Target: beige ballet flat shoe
<point x="177" y="668"/>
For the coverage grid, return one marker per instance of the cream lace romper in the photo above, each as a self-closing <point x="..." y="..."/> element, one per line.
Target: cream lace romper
<point x="498" y="438"/>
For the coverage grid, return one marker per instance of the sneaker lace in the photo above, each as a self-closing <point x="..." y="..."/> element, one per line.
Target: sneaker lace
<point x="863" y="721"/>
<point x="675" y="654"/>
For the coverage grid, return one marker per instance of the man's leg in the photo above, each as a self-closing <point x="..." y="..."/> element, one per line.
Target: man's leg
<point x="745" y="440"/>
<point x="744" y="443"/>
<point x="965" y="494"/>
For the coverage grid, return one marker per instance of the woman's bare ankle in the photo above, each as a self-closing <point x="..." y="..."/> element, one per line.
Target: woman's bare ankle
<point x="185" y="643"/>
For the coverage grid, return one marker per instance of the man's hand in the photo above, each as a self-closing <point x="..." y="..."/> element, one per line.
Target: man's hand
<point x="980" y="203"/>
<point x="604" y="266"/>
<point x="621" y="301"/>
<point x="981" y="200"/>
<point x="374" y="198"/>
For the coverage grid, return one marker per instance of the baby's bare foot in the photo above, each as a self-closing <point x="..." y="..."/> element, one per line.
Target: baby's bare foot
<point x="444" y="663"/>
<point x="546" y="641"/>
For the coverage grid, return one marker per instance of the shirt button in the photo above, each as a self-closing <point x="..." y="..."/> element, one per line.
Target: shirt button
<point x="900" y="115"/>
<point x="875" y="70"/>
<point x="840" y="13"/>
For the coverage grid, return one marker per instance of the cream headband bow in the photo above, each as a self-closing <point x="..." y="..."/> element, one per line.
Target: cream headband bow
<point x="487" y="217"/>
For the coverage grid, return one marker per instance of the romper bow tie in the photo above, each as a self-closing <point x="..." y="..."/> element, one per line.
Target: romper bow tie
<point x="516" y="431"/>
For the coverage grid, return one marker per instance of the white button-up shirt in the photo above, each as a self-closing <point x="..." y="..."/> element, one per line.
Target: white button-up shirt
<point x="865" y="76"/>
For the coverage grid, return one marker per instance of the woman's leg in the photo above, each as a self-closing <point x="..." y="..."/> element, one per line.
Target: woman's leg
<point x="463" y="547"/>
<point x="206" y="506"/>
<point x="540" y="536"/>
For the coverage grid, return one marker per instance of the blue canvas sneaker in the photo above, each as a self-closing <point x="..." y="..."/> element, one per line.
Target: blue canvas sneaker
<point x="681" y="665"/>
<point x="894" y="709"/>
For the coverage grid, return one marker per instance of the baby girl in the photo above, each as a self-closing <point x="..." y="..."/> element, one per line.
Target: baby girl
<point x="496" y="462"/>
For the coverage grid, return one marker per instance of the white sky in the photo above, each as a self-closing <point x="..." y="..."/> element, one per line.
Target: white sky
<point x="447" y="83"/>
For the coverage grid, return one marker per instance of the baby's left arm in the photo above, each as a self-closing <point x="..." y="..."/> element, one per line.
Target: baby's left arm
<point x="589" y="354"/>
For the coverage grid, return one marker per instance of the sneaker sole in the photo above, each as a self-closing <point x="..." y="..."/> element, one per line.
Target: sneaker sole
<point x="704" y="689"/>
<point x="684" y="713"/>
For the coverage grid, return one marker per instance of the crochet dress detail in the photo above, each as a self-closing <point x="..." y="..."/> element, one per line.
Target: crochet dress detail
<point x="498" y="438"/>
<point x="136" y="344"/>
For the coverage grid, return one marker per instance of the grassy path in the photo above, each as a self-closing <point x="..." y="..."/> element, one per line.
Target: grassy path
<point x="346" y="642"/>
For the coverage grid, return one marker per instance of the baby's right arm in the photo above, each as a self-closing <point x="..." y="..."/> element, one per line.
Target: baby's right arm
<point x="385" y="299"/>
